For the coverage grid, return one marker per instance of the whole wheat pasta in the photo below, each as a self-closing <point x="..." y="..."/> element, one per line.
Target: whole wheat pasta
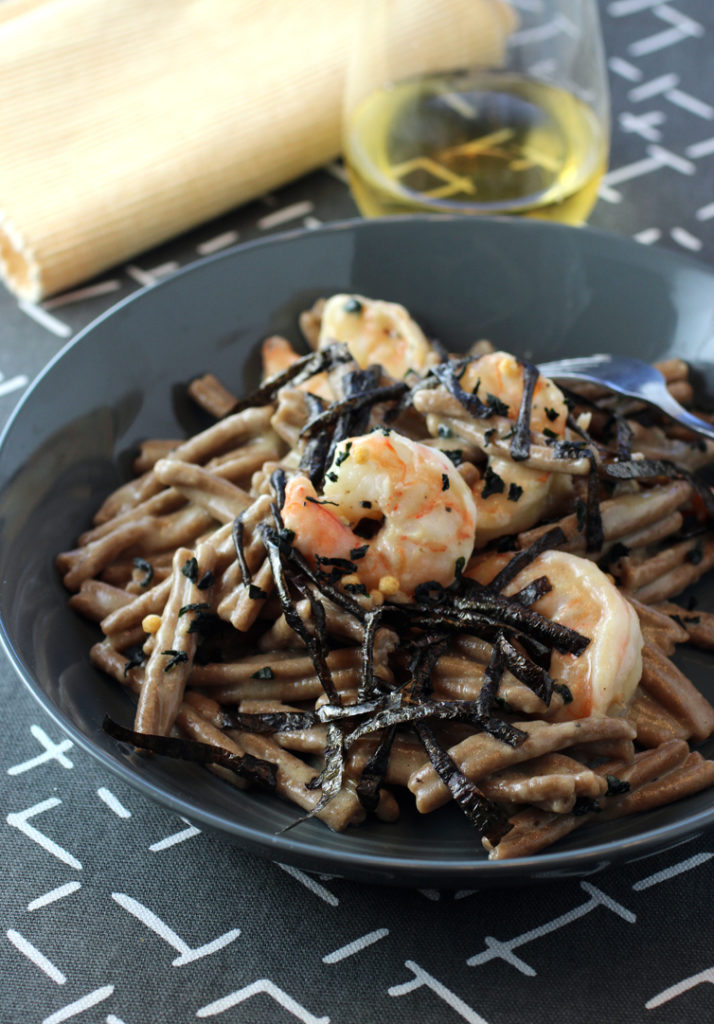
<point x="365" y="589"/>
<point x="695" y="626"/>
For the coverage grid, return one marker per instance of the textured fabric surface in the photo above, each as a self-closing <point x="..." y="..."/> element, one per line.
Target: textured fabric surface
<point x="116" y="911"/>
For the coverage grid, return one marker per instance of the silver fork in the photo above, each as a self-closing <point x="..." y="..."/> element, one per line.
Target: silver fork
<point x="629" y="377"/>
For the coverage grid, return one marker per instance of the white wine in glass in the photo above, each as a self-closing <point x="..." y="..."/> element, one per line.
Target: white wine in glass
<point x="519" y="125"/>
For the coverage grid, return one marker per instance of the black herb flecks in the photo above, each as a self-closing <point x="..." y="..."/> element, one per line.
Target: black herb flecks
<point x="147" y="569"/>
<point x="445" y="483"/>
<point x="176" y="658"/>
<point x="256" y="593"/>
<point x="352" y="306"/>
<point x="492" y="483"/>
<point x="196" y="606"/>
<point x="264" y="673"/>
<point x="514" y="492"/>
<point x="190" y="570"/>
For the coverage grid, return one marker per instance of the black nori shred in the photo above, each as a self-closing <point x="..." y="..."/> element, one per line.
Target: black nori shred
<point x="624" y="439"/>
<point x="253" y="769"/>
<point x="487" y="817"/>
<point x="585" y="805"/>
<point x="293" y="619"/>
<point x="190" y="569"/>
<point x="264" y="673"/>
<point x="137" y="659"/>
<point x="237" y="531"/>
<point x="487" y="435"/>
<point x="497" y="406"/>
<point x="449" y="374"/>
<point x="148" y="570"/>
<point x="344" y="454"/>
<point x="352" y="306"/>
<point x="206" y="581"/>
<point x="613" y="554"/>
<point x="514" y="492"/>
<point x="492" y="484"/>
<point x="615" y="786"/>
<point x="301" y="370"/>
<point x="196" y="606"/>
<point x="177" y="657"/>
<point x="365" y="504"/>
<point x="551" y="539"/>
<point x="388" y="393"/>
<point x="342" y="564"/>
<point x="552" y="414"/>
<point x="456" y="455"/>
<point x="534" y="677"/>
<point x="372" y="777"/>
<point x="564" y="691"/>
<point x="594" y="536"/>
<point x="332" y="593"/>
<point x="644" y="469"/>
<point x="271" y="721"/>
<point x="695" y="554"/>
<point x="521" y="440"/>
<point x="581" y="514"/>
<point x="533" y="591"/>
<point x="314" y="457"/>
<point x="547" y="432"/>
<point x="445" y="483"/>
<point x="508" y="612"/>
<point x="256" y="593"/>
<point x="360" y="552"/>
<point x="491" y="680"/>
<point x="371" y="625"/>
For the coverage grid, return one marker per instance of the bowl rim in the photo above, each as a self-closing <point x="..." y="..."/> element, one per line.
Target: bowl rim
<point x="395" y="868"/>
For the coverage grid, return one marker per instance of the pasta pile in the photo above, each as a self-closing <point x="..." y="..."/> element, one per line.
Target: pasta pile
<point x="355" y="588"/>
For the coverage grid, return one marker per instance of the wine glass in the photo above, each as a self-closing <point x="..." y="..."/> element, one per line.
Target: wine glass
<point x="477" y="106"/>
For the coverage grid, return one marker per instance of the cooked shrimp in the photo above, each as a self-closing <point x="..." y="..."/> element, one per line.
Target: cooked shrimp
<point x="427" y="513"/>
<point x="522" y="496"/>
<point x="525" y="497"/>
<point x="500" y="374"/>
<point x="278" y="354"/>
<point x="603" y="678"/>
<point x="376" y="332"/>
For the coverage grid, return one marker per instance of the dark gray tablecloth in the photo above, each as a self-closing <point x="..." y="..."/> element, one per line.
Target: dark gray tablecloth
<point x="115" y="910"/>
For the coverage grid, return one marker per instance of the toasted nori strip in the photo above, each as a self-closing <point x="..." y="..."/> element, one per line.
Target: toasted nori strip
<point x="594" y="536"/>
<point x="486" y="816"/>
<point x="271" y="721"/>
<point x="447" y="711"/>
<point x="530" y="594"/>
<point x="624" y="439"/>
<point x="314" y="458"/>
<point x="315" y="648"/>
<point x="521" y="440"/>
<point x="643" y="469"/>
<point x="491" y="680"/>
<point x="148" y="570"/>
<point x="374" y="771"/>
<point x="424" y="664"/>
<point x="552" y="539"/>
<point x="301" y="370"/>
<point x="278" y="481"/>
<point x="237" y="535"/>
<point x="329" y="779"/>
<point x="336" y="596"/>
<point x="334" y="411"/>
<point x="371" y="625"/>
<point x="535" y="677"/>
<point x="253" y="769"/>
<point x="448" y="375"/>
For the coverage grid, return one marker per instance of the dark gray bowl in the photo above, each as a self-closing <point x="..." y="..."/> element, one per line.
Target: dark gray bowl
<point x="533" y="288"/>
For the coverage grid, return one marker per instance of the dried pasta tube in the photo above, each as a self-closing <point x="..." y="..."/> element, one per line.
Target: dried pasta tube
<point x="552" y="782"/>
<point x="534" y="829"/>
<point x="211" y="395"/>
<point x="94" y="599"/>
<point x="654" y="724"/>
<point x="151" y="450"/>
<point x="697" y="625"/>
<point x="664" y="681"/>
<point x="634" y="575"/>
<point x="677" y="580"/>
<point x="694" y="775"/>
<point x="460" y="679"/>
<point x="220" y="498"/>
<point x="652" y="533"/>
<point x="281" y="665"/>
<point x="169" y="665"/>
<point x="151" y="602"/>
<point x="405" y="757"/>
<point x="658" y="628"/>
<point x="83" y="563"/>
<point x="620" y="515"/>
<point x="178" y="529"/>
<point x="481" y="755"/>
<point x="160" y="504"/>
<point x="250" y="600"/>
<point x="277" y="689"/>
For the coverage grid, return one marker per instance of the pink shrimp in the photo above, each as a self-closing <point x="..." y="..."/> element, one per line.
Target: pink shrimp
<point x="426" y="512"/>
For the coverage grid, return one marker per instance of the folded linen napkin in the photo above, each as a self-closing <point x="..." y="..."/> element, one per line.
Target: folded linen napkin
<point x="127" y="122"/>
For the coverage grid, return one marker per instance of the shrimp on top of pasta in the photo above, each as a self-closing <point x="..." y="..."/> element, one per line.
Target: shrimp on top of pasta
<point x="391" y="570"/>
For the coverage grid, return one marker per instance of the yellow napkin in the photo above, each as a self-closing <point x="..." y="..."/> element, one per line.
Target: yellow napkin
<point x="126" y="122"/>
